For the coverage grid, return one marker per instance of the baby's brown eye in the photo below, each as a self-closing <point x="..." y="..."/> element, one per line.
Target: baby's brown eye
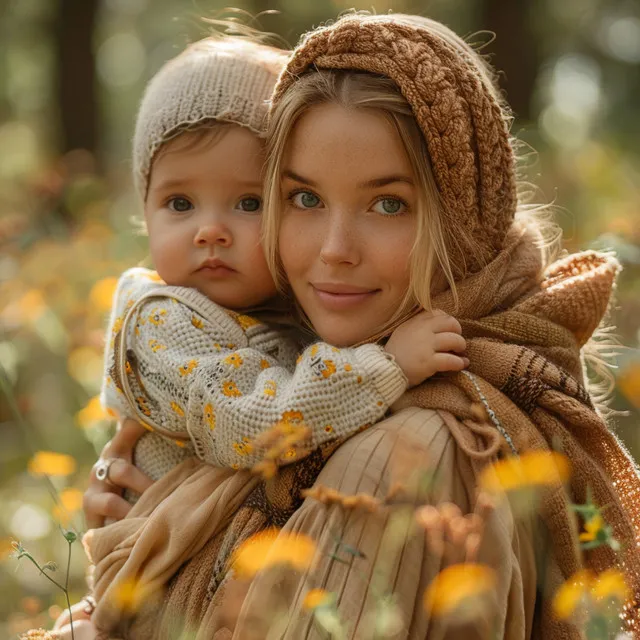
<point x="180" y="205"/>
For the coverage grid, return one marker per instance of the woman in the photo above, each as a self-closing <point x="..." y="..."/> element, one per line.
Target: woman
<point x="393" y="187"/>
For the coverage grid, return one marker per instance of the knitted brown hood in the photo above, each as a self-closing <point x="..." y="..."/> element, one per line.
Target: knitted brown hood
<point x="524" y="328"/>
<point x="457" y="111"/>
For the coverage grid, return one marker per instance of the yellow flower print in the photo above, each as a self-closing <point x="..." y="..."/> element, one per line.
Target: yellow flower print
<point x="127" y="367"/>
<point x="235" y="466"/>
<point x="329" y="368"/>
<point x="210" y="416"/>
<point x="141" y="401"/>
<point x="246" y="321"/>
<point x="231" y="345"/>
<point x="359" y="379"/>
<point x="329" y="429"/>
<point x="290" y="454"/>
<point x="156" y="316"/>
<point x="180" y="443"/>
<point x="348" y="367"/>
<point x="234" y="360"/>
<point x="117" y="324"/>
<point x="153" y="276"/>
<point x="313" y="351"/>
<point x="242" y="448"/>
<point x="188" y="367"/>
<point x="148" y="427"/>
<point x="230" y="389"/>
<point x="264" y="364"/>
<point x="299" y="359"/>
<point x="217" y="346"/>
<point x="178" y="409"/>
<point x="270" y="388"/>
<point x="335" y="349"/>
<point x="292" y="417"/>
<point x="129" y="304"/>
<point x="155" y="345"/>
<point x="196" y="322"/>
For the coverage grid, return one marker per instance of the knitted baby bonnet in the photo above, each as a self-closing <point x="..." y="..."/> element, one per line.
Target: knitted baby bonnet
<point x="454" y="103"/>
<point x="228" y="79"/>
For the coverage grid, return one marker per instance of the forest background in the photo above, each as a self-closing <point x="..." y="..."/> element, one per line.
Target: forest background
<point x="71" y="75"/>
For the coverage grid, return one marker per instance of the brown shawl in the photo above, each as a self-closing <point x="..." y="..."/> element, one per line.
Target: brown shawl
<point x="524" y="335"/>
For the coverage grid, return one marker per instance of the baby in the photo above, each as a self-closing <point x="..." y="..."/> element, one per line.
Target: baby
<point x="191" y="354"/>
<point x="202" y="351"/>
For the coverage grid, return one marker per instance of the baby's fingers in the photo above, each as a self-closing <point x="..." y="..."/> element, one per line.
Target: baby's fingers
<point x="449" y="362"/>
<point x="449" y="342"/>
<point x="443" y="323"/>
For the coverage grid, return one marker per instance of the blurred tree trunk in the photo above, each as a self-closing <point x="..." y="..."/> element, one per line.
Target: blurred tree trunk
<point x="514" y="51"/>
<point x="76" y="74"/>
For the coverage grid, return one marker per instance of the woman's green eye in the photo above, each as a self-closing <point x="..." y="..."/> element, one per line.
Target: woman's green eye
<point x="390" y="206"/>
<point x="250" y="204"/>
<point x="179" y="205"/>
<point x="305" y="200"/>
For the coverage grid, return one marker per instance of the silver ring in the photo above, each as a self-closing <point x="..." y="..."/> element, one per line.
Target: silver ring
<point x="102" y="470"/>
<point x="90" y="606"/>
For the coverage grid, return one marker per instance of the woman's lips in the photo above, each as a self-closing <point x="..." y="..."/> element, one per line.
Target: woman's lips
<point x="340" y="297"/>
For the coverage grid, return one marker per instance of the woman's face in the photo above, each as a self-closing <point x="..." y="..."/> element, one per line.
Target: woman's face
<point x="349" y="222"/>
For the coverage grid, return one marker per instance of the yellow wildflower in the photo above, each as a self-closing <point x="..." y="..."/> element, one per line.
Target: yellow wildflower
<point x="92" y="414"/>
<point x="629" y="383"/>
<point x="70" y="503"/>
<point x="188" y="367"/>
<point x="610" y="585"/>
<point x="570" y="594"/>
<point x="272" y="548"/>
<point x="101" y="294"/>
<point x="51" y="464"/>
<point x="32" y="305"/>
<point x="210" y="416"/>
<point x="457" y="585"/>
<point x="230" y="389"/>
<point x="130" y="595"/>
<point x="591" y="528"/>
<point x="6" y="548"/>
<point x="178" y="409"/>
<point x="316" y="598"/>
<point x="233" y="360"/>
<point x="531" y="469"/>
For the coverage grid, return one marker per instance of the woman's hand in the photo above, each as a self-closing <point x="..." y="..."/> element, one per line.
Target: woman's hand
<point x="103" y="497"/>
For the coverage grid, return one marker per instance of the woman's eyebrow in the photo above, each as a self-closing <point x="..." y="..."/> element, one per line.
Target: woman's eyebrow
<point x="287" y="173"/>
<point x="376" y="183"/>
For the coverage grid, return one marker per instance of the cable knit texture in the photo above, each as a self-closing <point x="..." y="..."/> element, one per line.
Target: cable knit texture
<point x="462" y="122"/>
<point x="208" y="380"/>
<point x="228" y="80"/>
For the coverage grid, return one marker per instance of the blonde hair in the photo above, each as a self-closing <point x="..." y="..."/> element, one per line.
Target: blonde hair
<point x="360" y="90"/>
<point x="439" y="255"/>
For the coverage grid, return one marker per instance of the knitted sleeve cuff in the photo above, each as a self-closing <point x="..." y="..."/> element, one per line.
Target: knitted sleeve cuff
<point x="381" y="370"/>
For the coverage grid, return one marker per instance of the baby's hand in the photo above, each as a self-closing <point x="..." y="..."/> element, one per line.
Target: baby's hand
<point x="426" y="344"/>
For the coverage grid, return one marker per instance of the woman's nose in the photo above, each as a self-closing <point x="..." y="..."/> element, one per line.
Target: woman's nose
<point x="213" y="233"/>
<point x="339" y="245"/>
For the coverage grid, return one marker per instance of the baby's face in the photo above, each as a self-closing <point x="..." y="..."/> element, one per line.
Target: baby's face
<point x="203" y="212"/>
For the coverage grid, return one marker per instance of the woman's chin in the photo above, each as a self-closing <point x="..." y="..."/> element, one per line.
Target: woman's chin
<point x="340" y="335"/>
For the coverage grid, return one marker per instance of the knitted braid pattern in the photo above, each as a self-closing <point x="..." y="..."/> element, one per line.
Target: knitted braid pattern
<point x="463" y="124"/>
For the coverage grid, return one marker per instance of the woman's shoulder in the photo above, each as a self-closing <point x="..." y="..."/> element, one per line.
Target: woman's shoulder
<point x="408" y="440"/>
